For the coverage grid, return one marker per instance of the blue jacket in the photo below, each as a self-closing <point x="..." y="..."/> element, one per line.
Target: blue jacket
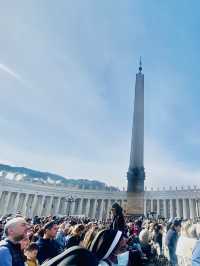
<point x="171" y="243"/>
<point x="10" y="254"/>
<point x="61" y="239"/>
<point x="171" y="239"/>
<point x="196" y="254"/>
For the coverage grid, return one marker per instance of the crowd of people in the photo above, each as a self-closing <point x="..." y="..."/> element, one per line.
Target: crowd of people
<point x="122" y="241"/>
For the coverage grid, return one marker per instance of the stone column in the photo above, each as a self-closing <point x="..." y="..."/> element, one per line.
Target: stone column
<point x="87" y="209"/>
<point x="73" y="206"/>
<point x="7" y="202"/>
<point x="34" y="205"/>
<point x="145" y="207"/>
<point x="197" y="207"/>
<point x="191" y="204"/>
<point x="80" y="207"/>
<point x="158" y="206"/>
<point x="16" y="202"/>
<point x="108" y="209"/>
<point x="184" y="209"/>
<point x="94" y="209"/>
<point x="25" y="204"/>
<point x="178" y="210"/>
<point x="57" y="206"/>
<point x="50" y="206"/>
<point x="101" y="210"/>
<point x="151" y="205"/>
<point x="41" y="206"/>
<point x="165" y="208"/>
<point x="171" y="208"/>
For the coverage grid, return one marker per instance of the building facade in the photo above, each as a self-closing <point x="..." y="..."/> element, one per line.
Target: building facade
<point x="37" y="199"/>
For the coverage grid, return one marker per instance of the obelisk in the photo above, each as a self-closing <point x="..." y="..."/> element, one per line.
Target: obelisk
<point x="136" y="174"/>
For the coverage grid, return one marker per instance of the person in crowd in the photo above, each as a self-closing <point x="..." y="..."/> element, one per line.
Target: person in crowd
<point x="10" y="249"/>
<point x="144" y="235"/>
<point x="144" y="238"/>
<point x="89" y="236"/>
<point x="196" y="249"/>
<point x="74" y="256"/>
<point x="24" y="243"/>
<point x="171" y="240"/>
<point x="76" y="236"/>
<point x="48" y="247"/>
<point x="118" y="221"/>
<point x="38" y="232"/>
<point x="31" y="255"/>
<point x="61" y="234"/>
<point x="157" y="236"/>
<point x="186" y="243"/>
<point x="108" y="245"/>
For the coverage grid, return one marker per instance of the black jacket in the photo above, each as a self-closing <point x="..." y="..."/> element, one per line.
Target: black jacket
<point x="118" y="223"/>
<point x="73" y="241"/>
<point x="47" y="249"/>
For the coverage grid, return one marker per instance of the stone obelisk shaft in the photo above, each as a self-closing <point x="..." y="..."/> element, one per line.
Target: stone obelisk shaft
<point x="136" y="174"/>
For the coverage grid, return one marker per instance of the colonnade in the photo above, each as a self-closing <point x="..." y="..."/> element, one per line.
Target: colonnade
<point x="186" y="208"/>
<point x="171" y="203"/>
<point x="30" y="204"/>
<point x="41" y="199"/>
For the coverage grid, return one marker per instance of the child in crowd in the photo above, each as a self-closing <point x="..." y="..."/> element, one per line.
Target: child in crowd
<point x="31" y="255"/>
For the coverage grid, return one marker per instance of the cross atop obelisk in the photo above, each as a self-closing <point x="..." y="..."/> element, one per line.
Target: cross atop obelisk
<point x="136" y="174"/>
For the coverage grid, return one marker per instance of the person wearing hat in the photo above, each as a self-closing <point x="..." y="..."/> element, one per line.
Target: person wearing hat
<point x="48" y="247"/>
<point x="171" y="240"/>
<point x="10" y="249"/>
<point x="118" y="221"/>
<point x="107" y="245"/>
<point x="74" y="256"/>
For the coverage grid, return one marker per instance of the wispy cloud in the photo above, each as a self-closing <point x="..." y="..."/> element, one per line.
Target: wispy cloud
<point x="12" y="73"/>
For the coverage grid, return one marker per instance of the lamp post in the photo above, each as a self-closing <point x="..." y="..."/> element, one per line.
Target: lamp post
<point x="69" y="200"/>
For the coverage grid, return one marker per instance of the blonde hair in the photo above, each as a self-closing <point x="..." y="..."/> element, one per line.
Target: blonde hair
<point x="77" y="229"/>
<point x="185" y="228"/>
<point x="89" y="236"/>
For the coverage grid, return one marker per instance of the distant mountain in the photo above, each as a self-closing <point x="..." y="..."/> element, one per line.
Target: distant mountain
<point x="29" y="175"/>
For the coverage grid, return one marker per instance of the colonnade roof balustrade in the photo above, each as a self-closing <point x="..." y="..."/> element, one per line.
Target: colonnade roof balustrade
<point x="172" y="193"/>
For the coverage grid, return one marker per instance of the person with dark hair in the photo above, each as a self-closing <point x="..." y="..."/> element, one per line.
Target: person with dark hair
<point x="31" y="255"/>
<point x="48" y="247"/>
<point x="10" y="248"/>
<point x="74" y="256"/>
<point x="157" y="236"/>
<point x="171" y="240"/>
<point x="118" y="221"/>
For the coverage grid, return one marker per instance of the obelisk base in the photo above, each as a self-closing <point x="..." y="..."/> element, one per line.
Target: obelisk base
<point x="135" y="204"/>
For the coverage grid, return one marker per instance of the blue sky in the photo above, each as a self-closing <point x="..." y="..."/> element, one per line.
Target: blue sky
<point x="67" y="74"/>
